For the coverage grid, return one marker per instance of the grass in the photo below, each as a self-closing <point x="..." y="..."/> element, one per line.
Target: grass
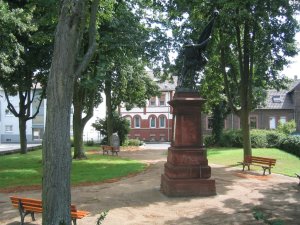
<point x="286" y="164"/>
<point x="18" y="170"/>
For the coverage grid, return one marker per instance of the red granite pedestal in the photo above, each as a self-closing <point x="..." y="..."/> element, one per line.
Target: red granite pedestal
<point x="186" y="171"/>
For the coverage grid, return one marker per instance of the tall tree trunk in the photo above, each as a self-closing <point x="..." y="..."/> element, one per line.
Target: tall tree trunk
<point x="56" y="193"/>
<point x="78" y="125"/>
<point x="109" y="112"/>
<point x="246" y="133"/>
<point x="79" y="152"/>
<point x="23" y="138"/>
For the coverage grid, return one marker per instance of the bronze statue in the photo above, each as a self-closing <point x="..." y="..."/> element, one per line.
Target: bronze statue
<point x="194" y="58"/>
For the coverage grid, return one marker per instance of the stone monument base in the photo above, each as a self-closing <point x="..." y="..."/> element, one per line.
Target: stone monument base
<point x="187" y="187"/>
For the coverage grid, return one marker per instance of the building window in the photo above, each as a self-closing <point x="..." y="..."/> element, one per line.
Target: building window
<point x="272" y="122"/>
<point x="209" y="124"/>
<point x="37" y="133"/>
<point x="162" y="121"/>
<point x="282" y="120"/>
<point x="137" y="122"/>
<point x="276" y="99"/>
<point x="162" y="100"/>
<point x="8" y="128"/>
<point x="152" y="101"/>
<point x="152" y="122"/>
<point x="253" y="122"/>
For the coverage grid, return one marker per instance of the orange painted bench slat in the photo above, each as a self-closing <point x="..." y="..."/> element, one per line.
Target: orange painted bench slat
<point x="107" y="148"/>
<point x="265" y="163"/>
<point x="30" y="206"/>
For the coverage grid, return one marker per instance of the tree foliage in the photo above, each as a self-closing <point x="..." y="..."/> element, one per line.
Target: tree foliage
<point x="127" y="45"/>
<point x="32" y="44"/>
<point x="120" y="125"/>
<point x="252" y="42"/>
<point x="88" y="85"/>
<point x="14" y="22"/>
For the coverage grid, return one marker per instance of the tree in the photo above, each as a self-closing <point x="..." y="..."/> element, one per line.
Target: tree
<point x="123" y="58"/>
<point x="120" y="125"/>
<point x="64" y="69"/>
<point x="88" y="87"/>
<point x="254" y="39"/>
<point x="25" y="78"/>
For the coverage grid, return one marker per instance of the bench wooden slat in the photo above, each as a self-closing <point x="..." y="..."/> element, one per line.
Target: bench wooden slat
<point x="107" y="148"/>
<point x="265" y="163"/>
<point x="29" y="205"/>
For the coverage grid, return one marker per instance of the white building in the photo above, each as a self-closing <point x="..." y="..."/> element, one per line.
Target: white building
<point x="9" y="124"/>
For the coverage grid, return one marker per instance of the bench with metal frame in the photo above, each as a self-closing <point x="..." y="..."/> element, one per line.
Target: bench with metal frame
<point x="107" y="148"/>
<point x="265" y="163"/>
<point x="30" y="206"/>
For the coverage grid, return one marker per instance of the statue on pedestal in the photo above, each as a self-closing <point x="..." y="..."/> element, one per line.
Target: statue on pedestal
<point x="195" y="59"/>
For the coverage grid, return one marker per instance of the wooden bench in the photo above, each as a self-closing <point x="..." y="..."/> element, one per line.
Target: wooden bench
<point x="30" y="206"/>
<point x="265" y="163"/>
<point x="107" y="148"/>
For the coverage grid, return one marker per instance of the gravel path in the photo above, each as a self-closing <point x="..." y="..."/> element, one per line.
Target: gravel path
<point x="137" y="200"/>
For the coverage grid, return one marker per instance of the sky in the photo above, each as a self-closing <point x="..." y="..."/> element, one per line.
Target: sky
<point x="294" y="68"/>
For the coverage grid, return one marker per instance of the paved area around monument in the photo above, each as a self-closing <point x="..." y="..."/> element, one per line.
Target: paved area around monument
<point x="137" y="200"/>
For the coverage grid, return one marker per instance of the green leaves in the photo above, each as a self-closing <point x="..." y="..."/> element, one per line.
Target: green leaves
<point x="13" y="24"/>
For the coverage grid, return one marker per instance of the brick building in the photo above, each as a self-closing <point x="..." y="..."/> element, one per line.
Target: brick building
<point x="154" y="122"/>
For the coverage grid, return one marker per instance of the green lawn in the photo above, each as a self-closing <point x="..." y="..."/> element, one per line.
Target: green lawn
<point x="286" y="163"/>
<point x="26" y="170"/>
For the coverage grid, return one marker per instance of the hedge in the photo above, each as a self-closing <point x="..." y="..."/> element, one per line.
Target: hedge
<point x="259" y="139"/>
<point x="291" y="144"/>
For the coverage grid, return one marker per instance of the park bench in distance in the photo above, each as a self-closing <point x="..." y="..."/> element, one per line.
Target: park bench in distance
<point x="265" y="163"/>
<point x="30" y="206"/>
<point x="106" y="149"/>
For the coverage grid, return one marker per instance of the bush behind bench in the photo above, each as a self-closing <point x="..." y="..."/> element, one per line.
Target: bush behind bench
<point x="259" y="139"/>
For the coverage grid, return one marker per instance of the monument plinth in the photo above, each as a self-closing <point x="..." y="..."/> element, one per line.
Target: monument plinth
<point x="186" y="171"/>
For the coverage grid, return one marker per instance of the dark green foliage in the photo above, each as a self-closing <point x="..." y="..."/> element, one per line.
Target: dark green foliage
<point x="275" y="138"/>
<point x="268" y="218"/>
<point x="219" y="113"/>
<point x="259" y="138"/>
<point x="90" y="143"/>
<point x="208" y="140"/>
<point x="120" y="125"/>
<point x="291" y="144"/>
<point x="102" y="217"/>
<point x="231" y="138"/>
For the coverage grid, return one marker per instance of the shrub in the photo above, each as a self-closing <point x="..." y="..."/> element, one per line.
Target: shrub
<point x="208" y="140"/>
<point x="287" y="128"/>
<point x="258" y="138"/>
<point x="275" y="138"/>
<point x="133" y="142"/>
<point x="231" y="138"/>
<point x="291" y="144"/>
<point x="90" y="143"/>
